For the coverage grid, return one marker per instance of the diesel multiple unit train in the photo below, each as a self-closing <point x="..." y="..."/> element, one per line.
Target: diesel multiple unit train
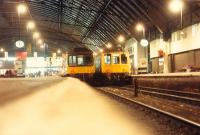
<point x="108" y="66"/>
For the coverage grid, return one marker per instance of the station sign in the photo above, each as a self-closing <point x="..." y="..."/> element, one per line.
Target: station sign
<point x="19" y="44"/>
<point x="21" y="55"/>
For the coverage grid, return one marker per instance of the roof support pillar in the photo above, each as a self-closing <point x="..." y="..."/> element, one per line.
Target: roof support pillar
<point x="60" y="17"/>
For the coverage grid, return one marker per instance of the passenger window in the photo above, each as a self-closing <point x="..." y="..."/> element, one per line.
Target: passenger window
<point x="73" y="60"/>
<point x="80" y="60"/>
<point x="70" y="60"/>
<point x="116" y="59"/>
<point x="107" y="58"/>
<point x="123" y="59"/>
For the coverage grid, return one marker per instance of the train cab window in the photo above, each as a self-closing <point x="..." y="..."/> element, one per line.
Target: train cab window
<point x="116" y="59"/>
<point x="88" y="59"/>
<point x="80" y="60"/>
<point x="123" y="59"/>
<point x="107" y="58"/>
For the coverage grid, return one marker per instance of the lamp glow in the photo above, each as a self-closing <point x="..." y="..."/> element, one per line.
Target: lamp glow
<point x="36" y="35"/>
<point x="144" y="42"/>
<point x="101" y="50"/>
<point x="139" y="27"/>
<point x="21" y="9"/>
<point x="58" y="51"/>
<point x="30" y="25"/>
<point x="42" y="46"/>
<point x="2" y="50"/>
<point x="94" y="53"/>
<point x="176" y="5"/>
<point x="121" y="39"/>
<point x="109" y="45"/>
<point x="40" y="41"/>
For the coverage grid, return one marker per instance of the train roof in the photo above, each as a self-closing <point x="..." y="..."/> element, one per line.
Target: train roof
<point x="80" y="51"/>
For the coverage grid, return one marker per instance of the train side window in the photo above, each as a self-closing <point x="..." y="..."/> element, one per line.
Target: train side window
<point x="107" y="58"/>
<point x="80" y="60"/>
<point x="70" y="60"/>
<point x="123" y="59"/>
<point x="73" y="60"/>
<point x="116" y="59"/>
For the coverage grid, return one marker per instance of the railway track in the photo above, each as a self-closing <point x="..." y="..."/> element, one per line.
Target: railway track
<point x="185" y="97"/>
<point x="184" y="124"/>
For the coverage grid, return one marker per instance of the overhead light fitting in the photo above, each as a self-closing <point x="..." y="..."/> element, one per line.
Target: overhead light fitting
<point x="121" y="39"/>
<point x="40" y="41"/>
<point x="21" y="8"/>
<point x="139" y="27"/>
<point x="101" y="50"/>
<point x="176" y="5"/>
<point x="36" y="35"/>
<point x="58" y="51"/>
<point x="2" y="50"/>
<point x="30" y="25"/>
<point x="109" y="45"/>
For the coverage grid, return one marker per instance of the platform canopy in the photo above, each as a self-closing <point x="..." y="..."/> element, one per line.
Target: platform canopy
<point x="94" y="23"/>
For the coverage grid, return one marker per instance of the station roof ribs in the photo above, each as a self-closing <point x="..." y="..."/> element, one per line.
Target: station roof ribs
<point x="90" y="22"/>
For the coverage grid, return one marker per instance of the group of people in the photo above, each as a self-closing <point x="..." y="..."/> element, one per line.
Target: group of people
<point x="42" y="74"/>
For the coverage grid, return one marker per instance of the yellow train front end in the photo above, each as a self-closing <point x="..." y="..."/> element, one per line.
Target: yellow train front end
<point x="117" y="63"/>
<point x="113" y="67"/>
<point x="80" y="64"/>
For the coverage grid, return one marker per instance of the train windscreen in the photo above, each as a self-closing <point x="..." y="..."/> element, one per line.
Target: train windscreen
<point x="80" y="60"/>
<point x="123" y="59"/>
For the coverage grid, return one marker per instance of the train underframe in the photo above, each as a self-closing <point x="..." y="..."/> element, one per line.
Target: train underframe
<point x="104" y="79"/>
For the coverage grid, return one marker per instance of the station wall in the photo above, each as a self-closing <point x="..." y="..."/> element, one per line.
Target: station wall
<point x="178" y="43"/>
<point x="181" y="50"/>
<point x="138" y="55"/>
<point x="189" y="41"/>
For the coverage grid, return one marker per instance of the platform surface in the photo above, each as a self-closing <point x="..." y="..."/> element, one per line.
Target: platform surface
<point x="68" y="107"/>
<point x="183" y="74"/>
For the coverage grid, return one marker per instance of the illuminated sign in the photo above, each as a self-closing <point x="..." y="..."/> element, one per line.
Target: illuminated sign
<point x="144" y="42"/>
<point x="19" y="44"/>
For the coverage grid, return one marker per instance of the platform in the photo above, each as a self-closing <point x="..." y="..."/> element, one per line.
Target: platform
<point x="179" y="74"/>
<point x="68" y="107"/>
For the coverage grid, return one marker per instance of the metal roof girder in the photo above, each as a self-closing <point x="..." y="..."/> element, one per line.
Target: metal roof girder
<point x="98" y="18"/>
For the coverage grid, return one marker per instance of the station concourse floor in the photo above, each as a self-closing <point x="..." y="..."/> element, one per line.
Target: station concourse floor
<point x="65" y="107"/>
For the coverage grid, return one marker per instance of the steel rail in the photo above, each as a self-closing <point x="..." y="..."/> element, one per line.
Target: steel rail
<point x="186" y="97"/>
<point x="173" y="116"/>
